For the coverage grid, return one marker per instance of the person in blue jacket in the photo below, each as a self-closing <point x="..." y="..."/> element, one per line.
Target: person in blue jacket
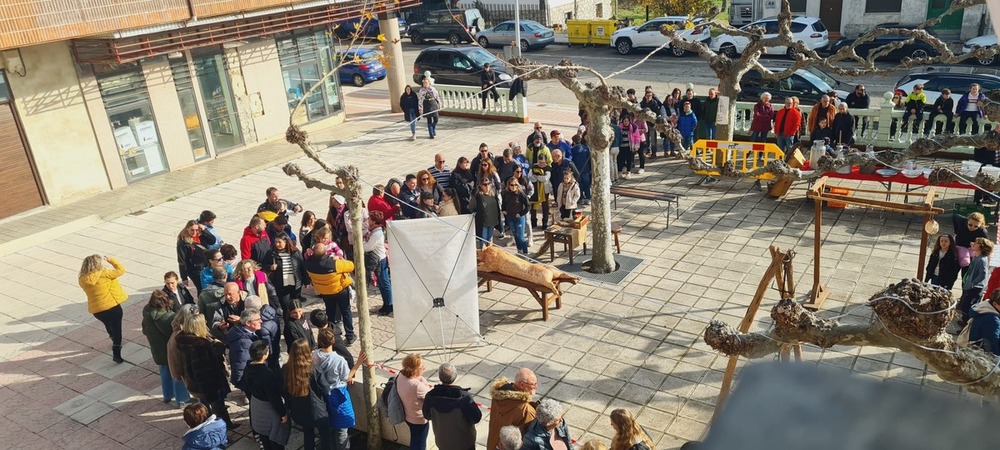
<point x="581" y="156"/>
<point x="985" y="328"/>
<point x="687" y="122"/>
<point x="206" y="432"/>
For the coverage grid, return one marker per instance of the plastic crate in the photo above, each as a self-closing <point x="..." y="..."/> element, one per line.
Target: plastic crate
<point x="964" y="209"/>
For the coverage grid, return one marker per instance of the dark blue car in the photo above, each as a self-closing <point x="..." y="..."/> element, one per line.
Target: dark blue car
<point x="362" y="66"/>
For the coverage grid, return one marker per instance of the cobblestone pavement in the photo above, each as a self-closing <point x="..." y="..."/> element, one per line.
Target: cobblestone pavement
<point x="634" y="345"/>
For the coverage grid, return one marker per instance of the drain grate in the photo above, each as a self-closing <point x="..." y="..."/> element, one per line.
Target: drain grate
<point x="626" y="264"/>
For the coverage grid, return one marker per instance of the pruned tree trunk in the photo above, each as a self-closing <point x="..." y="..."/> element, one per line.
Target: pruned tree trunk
<point x="910" y="316"/>
<point x="599" y="137"/>
<point x="729" y="87"/>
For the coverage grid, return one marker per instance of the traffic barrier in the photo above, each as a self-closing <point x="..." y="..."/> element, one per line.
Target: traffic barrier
<point x="745" y="156"/>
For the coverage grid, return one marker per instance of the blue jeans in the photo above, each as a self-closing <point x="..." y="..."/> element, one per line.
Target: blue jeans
<point x="172" y="388"/>
<point x="687" y="142"/>
<point x="516" y="225"/>
<point x="340" y="302"/>
<point x="413" y="123"/>
<point x="785" y="142"/>
<point x="710" y="131"/>
<point x="432" y="124"/>
<point x="758" y="136"/>
<point x="418" y="436"/>
<point x="485" y="234"/>
<point x="383" y="282"/>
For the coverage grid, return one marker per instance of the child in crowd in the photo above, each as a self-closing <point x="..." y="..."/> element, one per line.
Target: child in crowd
<point x="206" y="432"/>
<point x="296" y="327"/>
<point x="967" y="230"/>
<point x="897" y="105"/>
<point x="974" y="281"/>
<point x="568" y="196"/>
<point x="325" y="236"/>
<point x="230" y="255"/>
<point x="944" y="105"/>
<point x="687" y="122"/>
<point x="914" y="106"/>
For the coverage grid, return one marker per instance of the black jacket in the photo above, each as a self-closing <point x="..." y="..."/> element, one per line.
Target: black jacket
<point x="263" y="383"/>
<point x="654" y="104"/>
<point x="464" y="184"/>
<point x="184" y="298"/>
<point x="204" y="370"/>
<point x="454" y="415"/>
<point x="843" y="129"/>
<point x="295" y="330"/>
<point x="276" y="276"/>
<point x="855" y="101"/>
<point x="191" y="257"/>
<point x="305" y="411"/>
<point x="488" y="78"/>
<point x="519" y="86"/>
<point x="819" y="134"/>
<point x="944" y="106"/>
<point x="947" y="268"/>
<point x="515" y="203"/>
<point x="410" y="104"/>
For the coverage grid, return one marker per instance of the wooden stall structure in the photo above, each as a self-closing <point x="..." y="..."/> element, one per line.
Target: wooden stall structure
<point x="819" y="193"/>
<point x="544" y="295"/>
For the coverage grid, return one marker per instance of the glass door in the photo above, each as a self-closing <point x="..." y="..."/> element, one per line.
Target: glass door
<point x="220" y="106"/>
<point x="189" y="108"/>
<point x="305" y="59"/>
<point x="130" y="114"/>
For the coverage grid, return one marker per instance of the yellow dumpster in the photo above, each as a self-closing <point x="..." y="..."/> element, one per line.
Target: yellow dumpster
<point x="579" y="31"/>
<point x="601" y="31"/>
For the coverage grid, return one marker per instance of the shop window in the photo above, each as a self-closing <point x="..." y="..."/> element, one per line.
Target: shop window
<point x="130" y="114"/>
<point x="305" y="60"/>
<point x="218" y="100"/>
<point x="797" y="6"/>
<point x="189" y="107"/>
<point x="4" y="89"/>
<point x="883" y="6"/>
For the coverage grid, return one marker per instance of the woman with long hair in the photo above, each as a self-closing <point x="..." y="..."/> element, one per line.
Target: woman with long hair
<point x="286" y="269"/>
<point x="488" y="171"/>
<point x="268" y="414"/>
<point x="306" y="404"/>
<point x="249" y="278"/>
<point x="215" y="260"/>
<point x="413" y="388"/>
<point x="157" y="319"/>
<point x="105" y="296"/>
<point x="515" y="208"/>
<point x="486" y="206"/>
<point x="427" y="183"/>
<point x="942" y="267"/>
<point x="463" y="181"/>
<point x="449" y="204"/>
<point x="191" y="246"/>
<point x="628" y="434"/>
<point x="410" y="104"/>
<point x="204" y="368"/>
<point x="308" y="223"/>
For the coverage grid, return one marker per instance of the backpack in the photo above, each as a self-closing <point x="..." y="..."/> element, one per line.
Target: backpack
<point x="390" y="404"/>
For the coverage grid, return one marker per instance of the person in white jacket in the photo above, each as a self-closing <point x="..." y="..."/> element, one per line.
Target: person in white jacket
<point x="568" y="196"/>
<point x="377" y="261"/>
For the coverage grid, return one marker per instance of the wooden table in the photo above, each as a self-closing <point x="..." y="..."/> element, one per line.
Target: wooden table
<point x="569" y="237"/>
<point x="544" y="295"/>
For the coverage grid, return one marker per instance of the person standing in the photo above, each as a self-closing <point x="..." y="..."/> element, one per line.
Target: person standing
<point x="549" y="430"/>
<point x="286" y="270"/>
<point x="843" y="126"/>
<point x="268" y="414"/>
<point x="178" y="293"/>
<point x="440" y="171"/>
<point x="515" y="208"/>
<point x="763" y="116"/>
<point x="709" y="115"/>
<point x="238" y="339"/>
<point x="687" y="123"/>
<point x="463" y="181"/>
<point x="412" y="389"/>
<point x="823" y="109"/>
<point x="942" y="266"/>
<point x="970" y="106"/>
<point x="333" y="375"/>
<point x="511" y="404"/>
<point x="207" y="221"/>
<point x="105" y="296"/>
<point x="630" y="142"/>
<point x="204" y="366"/>
<point x="581" y="153"/>
<point x="191" y="250"/>
<point x="332" y="279"/>
<point x="654" y="105"/>
<point x="157" y="319"/>
<point x="568" y="196"/>
<point x="430" y="104"/>
<point x="486" y="206"/>
<point x="255" y="242"/>
<point x="306" y="404"/>
<point x="452" y="412"/>
<point x="409" y="103"/>
<point x="858" y="99"/>
<point x="787" y="122"/>
<point x="974" y="281"/>
<point x="375" y="246"/>
<point x="628" y="434"/>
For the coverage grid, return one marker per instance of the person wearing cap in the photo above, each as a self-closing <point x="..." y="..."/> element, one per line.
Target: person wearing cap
<point x="488" y="79"/>
<point x="558" y="143"/>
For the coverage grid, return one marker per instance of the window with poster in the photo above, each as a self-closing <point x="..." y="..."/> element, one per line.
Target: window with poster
<point x="305" y="59"/>
<point x="130" y="114"/>
<point x="189" y="107"/>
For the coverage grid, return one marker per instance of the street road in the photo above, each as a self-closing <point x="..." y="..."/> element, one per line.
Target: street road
<point x="663" y="72"/>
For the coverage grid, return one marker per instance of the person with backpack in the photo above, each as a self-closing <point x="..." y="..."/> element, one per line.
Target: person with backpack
<point x="412" y="388"/>
<point x="452" y="412"/>
<point x="430" y="104"/>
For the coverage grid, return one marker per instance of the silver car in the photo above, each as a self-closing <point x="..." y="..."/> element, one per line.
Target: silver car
<point x="533" y="35"/>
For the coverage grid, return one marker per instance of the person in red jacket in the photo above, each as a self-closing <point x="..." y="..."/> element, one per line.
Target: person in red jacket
<point x="786" y="125"/>
<point x="763" y="115"/>
<point x="255" y="242"/>
<point x="377" y="202"/>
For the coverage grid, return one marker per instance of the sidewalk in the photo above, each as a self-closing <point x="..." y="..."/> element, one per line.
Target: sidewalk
<point x="635" y="345"/>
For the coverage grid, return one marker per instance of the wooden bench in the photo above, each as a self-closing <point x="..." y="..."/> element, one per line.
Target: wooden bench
<point x="672" y="200"/>
<point x="544" y="295"/>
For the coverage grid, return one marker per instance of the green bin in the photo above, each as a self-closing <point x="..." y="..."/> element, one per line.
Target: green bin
<point x="578" y="31"/>
<point x="964" y="209"/>
<point x="601" y="31"/>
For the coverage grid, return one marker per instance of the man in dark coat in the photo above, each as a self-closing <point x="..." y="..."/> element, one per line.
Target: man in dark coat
<point x="452" y="412"/>
<point x="270" y="329"/>
<point x="238" y="339"/>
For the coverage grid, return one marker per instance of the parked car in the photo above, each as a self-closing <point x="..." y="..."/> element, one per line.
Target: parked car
<point x="809" y="84"/>
<point x="362" y="66"/>
<point x="367" y="28"/>
<point x="455" y="26"/>
<point x="648" y="35"/>
<point x="533" y="35"/>
<point x="915" y="49"/>
<point x="981" y="41"/>
<point x="808" y="30"/>
<point x="956" y="78"/>
<point x="457" y="65"/>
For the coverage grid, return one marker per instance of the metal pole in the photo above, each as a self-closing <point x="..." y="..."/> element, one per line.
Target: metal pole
<point x="517" y="28"/>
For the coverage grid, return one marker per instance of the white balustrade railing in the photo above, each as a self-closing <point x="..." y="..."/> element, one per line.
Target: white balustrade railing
<point x="883" y="127"/>
<point x="467" y="101"/>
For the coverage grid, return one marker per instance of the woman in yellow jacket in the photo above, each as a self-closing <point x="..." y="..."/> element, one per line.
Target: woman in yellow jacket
<point x="105" y="296"/>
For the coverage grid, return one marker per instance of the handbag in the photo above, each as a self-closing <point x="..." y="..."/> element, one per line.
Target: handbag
<point x="340" y="408"/>
<point x="964" y="256"/>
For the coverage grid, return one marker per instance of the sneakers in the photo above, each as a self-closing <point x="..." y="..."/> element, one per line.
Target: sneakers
<point x="711" y="181"/>
<point x="641" y="171"/>
<point x="350" y="340"/>
<point x="484" y="110"/>
<point x="625" y="174"/>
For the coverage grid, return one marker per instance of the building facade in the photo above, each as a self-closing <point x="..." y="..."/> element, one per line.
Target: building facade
<point x="99" y="99"/>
